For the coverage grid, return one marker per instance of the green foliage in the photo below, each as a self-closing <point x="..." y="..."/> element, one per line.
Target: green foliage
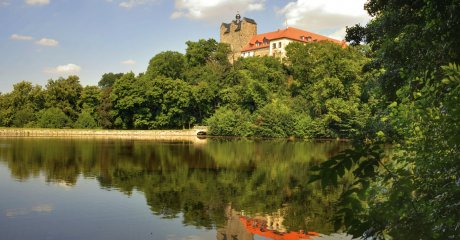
<point x="229" y="122"/>
<point x="304" y="126"/>
<point x="402" y="87"/>
<point x="90" y="100"/>
<point x="274" y="120"/>
<point x="167" y="64"/>
<point x="268" y="71"/>
<point x="409" y="38"/>
<point x="173" y="112"/>
<point x="24" y="117"/>
<point x="64" y="94"/>
<point x="53" y="118"/>
<point x="108" y="79"/>
<point x="317" y="94"/>
<point x="130" y="102"/>
<point x="415" y="194"/>
<point x="310" y="63"/>
<point x="85" y="120"/>
<point x="201" y="52"/>
<point x="19" y="107"/>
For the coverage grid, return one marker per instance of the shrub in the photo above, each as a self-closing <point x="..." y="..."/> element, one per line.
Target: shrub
<point x="53" y="118"/>
<point x="85" y="121"/>
<point x="229" y="122"/>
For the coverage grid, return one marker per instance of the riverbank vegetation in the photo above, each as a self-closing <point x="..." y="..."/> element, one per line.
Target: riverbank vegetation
<point x="320" y="91"/>
<point x="415" y="49"/>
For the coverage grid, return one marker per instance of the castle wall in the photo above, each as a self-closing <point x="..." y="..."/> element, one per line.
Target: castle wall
<point x="262" y="52"/>
<point x="237" y="35"/>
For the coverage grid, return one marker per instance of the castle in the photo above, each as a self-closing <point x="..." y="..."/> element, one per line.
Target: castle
<point x="241" y="35"/>
<point x="237" y="33"/>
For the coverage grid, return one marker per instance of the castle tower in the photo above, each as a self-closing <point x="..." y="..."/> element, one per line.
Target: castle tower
<point x="237" y="33"/>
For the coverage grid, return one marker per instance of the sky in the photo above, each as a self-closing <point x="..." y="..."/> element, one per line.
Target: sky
<point x="48" y="39"/>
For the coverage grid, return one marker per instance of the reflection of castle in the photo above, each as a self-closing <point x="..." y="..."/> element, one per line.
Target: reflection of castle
<point x="270" y="226"/>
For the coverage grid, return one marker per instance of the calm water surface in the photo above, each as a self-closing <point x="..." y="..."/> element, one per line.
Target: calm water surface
<point x="138" y="189"/>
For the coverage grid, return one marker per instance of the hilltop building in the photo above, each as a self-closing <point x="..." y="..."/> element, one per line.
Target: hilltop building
<point x="245" y="42"/>
<point x="237" y="33"/>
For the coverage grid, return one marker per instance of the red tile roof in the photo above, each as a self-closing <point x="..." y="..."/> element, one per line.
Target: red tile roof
<point x="290" y="33"/>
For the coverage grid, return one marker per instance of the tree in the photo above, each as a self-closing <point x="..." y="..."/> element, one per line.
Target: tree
<point x="53" y="118"/>
<point x="328" y="78"/>
<point x="409" y="38"/>
<point x="6" y="110"/>
<point x="108" y="79"/>
<point x="228" y="122"/>
<point x="204" y="51"/>
<point x="175" y="104"/>
<point x="85" y="120"/>
<point x="266" y="70"/>
<point x="64" y="94"/>
<point x="199" y="53"/>
<point x="167" y="64"/>
<point x="90" y="99"/>
<point x="274" y="120"/>
<point x="22" y="104"/>
<point x="128" y="98"/>
<point x="104" y="110"/>
<point x="414" y="194"/>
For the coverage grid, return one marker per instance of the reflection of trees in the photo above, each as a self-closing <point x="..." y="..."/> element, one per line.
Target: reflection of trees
<point x="196" y="181"/>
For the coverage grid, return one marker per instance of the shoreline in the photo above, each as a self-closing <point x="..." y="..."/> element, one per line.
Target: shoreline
<point x="167" y="135"/>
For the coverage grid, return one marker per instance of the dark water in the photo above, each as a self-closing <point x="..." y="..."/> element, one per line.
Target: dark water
<point x="137" y="189"/>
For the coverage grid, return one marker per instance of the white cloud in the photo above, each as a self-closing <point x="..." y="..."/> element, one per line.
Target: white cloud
<point x="38" y="2"/>
<point x="18" y="37"/>
<point x="217" y="10"/>
<point x="134" y="3"/>
<point x="128" y="62"/>
<point x="47" y="42"/>
<point x="325" y="15"/>
<point x="64" y="69"/>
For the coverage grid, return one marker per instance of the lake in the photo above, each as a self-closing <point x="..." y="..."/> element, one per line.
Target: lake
<point x="52" y="188"/>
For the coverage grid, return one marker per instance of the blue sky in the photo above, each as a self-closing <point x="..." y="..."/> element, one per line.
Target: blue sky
<point x="46" y="39"/>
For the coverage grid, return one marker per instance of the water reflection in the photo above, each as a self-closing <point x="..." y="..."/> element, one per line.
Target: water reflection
<point x="224" y="184"/>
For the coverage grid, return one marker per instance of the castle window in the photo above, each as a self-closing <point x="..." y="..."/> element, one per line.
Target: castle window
<point x="308" y="39"/>
<point x="274" y="45"/>
<point x="302" y="38"/>
<point x="279" y="45"/>
<point x="257" y="44"/>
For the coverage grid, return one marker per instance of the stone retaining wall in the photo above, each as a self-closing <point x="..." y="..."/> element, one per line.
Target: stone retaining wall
<point x="141" y="134"/>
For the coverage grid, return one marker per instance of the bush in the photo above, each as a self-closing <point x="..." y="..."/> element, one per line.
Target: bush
<point x="85" y="121"/>
<point x="304" y="126"/>
<point x="24" y="117"/>
<point x="53" y="118"/>
<point x="229" y="122"/>
<point x="273" y="120"/>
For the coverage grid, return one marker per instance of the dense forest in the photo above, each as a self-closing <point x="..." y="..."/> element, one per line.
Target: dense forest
<point x="320" y="91"/>
<point x="397" y="82"/>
